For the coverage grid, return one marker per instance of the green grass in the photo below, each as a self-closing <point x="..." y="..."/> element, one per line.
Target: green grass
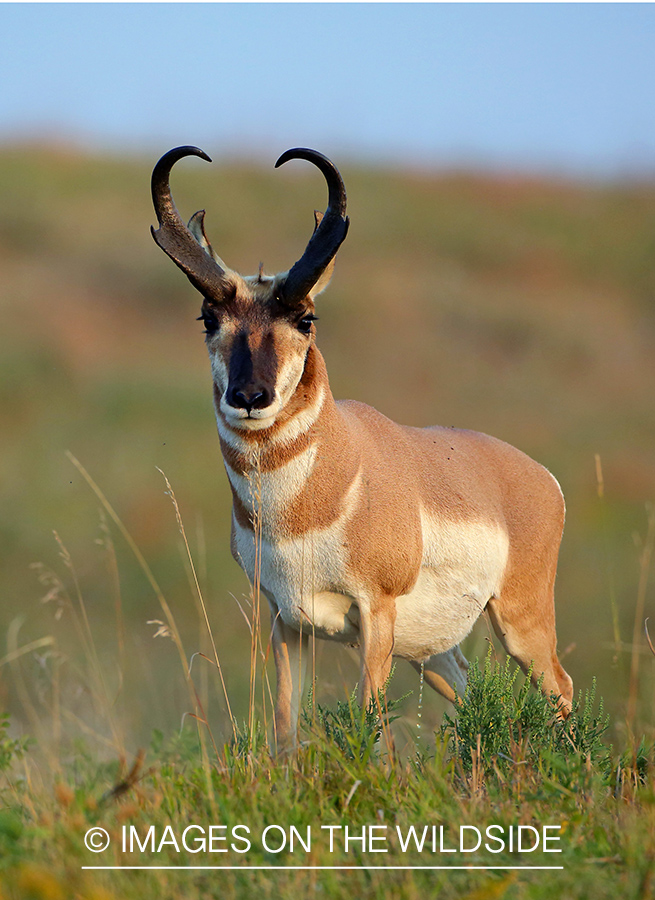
<point x="521" y="307"/>
<point x="599" y="807"/>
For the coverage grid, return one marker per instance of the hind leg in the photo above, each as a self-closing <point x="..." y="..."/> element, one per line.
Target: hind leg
<point x="523" y="612"/>
<point x="445" y="671"/>
<point x="527" y="632"/>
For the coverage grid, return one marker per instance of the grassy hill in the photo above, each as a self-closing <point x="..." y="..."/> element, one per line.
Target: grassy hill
<point x="522" y="307"/>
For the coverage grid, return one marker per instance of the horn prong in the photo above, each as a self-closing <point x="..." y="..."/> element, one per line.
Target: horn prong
<point x="174" y="237"/>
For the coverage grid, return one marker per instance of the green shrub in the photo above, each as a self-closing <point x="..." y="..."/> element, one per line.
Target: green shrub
<point x="499" y="723"/>
<point x="11" y="749"/>
<point x="352" y="729"/>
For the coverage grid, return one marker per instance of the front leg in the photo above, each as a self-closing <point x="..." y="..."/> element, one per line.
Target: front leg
<point x="290" y="655"/>
<point x="377" y="623"/>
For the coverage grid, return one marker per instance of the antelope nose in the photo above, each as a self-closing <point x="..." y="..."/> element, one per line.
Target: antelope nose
<point x="249" y="399"/>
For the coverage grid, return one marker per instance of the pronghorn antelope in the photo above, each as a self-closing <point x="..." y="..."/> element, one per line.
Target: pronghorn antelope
<point x="375" y="534"/>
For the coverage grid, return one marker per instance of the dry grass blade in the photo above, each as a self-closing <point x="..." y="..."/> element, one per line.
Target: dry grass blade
<point x="200" y="598"/>
<point x="650" y="643"/>
<point x="645" y="558"/>
<point x="147" y="571"/>
<point x="27" y="648"/>
<point x="600" y="485"/>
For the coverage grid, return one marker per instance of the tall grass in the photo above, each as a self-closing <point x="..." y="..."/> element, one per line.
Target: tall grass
<point x="258" y="719"/>
<point x="502" y="759"/>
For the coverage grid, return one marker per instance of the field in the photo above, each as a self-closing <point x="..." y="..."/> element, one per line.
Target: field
<point x="520" y="307"/>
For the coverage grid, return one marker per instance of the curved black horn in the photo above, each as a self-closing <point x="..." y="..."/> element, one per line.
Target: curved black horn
<point x="174" y="237"/>
<point x="329" y="234"/>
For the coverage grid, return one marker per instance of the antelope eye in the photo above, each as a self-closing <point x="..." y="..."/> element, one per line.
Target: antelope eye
<point x="305" y="324"/>
<point x="211" y="322"/>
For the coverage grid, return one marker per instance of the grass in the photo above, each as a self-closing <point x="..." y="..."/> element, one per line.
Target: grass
<point x="428" y="810"/>
<point x="497" y="724"/>
<point x="519" y="307"/>
<point x="506" y="800"/>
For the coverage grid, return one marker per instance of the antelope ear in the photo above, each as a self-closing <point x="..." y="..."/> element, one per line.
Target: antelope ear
<point x="197" y="228"/>
<point x="326" y="276"/>
<point x="324" y="280"/>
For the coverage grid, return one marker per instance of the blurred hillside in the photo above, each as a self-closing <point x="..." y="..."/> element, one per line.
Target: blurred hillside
<point x="520" y="307"/>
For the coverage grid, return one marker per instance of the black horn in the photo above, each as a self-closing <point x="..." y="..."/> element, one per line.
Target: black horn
<point x="174" y="237"/>
<point x="328" y="235"/>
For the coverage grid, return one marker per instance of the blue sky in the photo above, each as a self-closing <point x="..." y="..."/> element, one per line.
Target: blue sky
<point x="543" y="87"/>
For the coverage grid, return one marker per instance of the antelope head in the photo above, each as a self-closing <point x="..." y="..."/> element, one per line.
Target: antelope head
<point x="259" y="327"/>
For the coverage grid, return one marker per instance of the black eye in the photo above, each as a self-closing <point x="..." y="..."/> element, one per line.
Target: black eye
<point x="305" y="324"/>
<point x="211" y="322"/>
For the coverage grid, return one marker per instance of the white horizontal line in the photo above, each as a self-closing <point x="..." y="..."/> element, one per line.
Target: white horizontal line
<point x="314" y="868"/>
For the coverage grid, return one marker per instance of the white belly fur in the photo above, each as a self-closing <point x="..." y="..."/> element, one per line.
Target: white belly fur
<point x="309" y="581"/>
<point x="462" y="569"/>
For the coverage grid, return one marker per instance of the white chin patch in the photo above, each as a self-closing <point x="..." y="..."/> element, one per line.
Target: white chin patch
<point x="256" y="420"/>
